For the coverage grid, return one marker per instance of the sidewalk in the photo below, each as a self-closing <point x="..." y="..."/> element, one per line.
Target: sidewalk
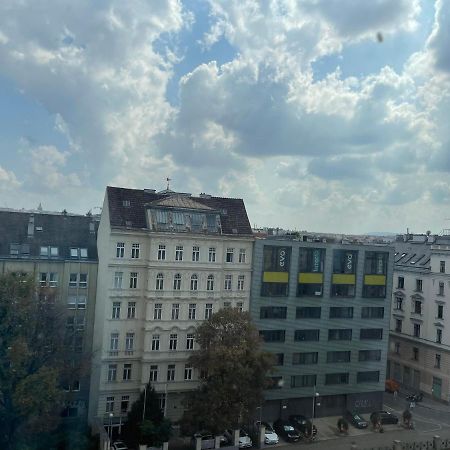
<point x="426" y="402"/>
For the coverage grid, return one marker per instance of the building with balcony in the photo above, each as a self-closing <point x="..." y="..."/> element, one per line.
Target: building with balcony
<point x="168" y="261"/>
<point x="419" y="351"/>
<point x="59" y="250"/>
<point x="323" y="310"/>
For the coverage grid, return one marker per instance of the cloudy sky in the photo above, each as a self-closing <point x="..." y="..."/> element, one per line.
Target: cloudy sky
<point x="299" y="107"/>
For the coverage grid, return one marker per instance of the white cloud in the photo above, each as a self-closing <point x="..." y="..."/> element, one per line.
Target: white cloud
<point x="8" y="179"/>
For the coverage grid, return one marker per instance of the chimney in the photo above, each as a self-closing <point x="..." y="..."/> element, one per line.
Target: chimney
<point x="31" y="226"/>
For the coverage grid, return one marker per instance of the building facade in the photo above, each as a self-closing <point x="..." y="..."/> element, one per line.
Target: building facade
<point x="59" y="250"/>
<point x="167" y="262"/>
<point x="419" y="351"/>
<point x="323" y="310"/>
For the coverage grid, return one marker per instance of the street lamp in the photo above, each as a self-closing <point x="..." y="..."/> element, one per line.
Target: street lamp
<point x="111" y="415"/>
<point x="315" y="394"/>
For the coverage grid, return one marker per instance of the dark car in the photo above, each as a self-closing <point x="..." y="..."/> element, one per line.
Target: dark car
<point x="385" y="417"/>
<point x="355" y="419"/>
<point x="286" y="430"/>
<point x="303" y="425"/>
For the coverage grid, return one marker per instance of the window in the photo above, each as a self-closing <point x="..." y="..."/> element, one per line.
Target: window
<point x="306" y="335"/>
<point x="192" y="310"/>
<point x="369" y="355"/>
<point x="441" y="288"/>
<point x="338" y="357"/>
<point x="228" y="282"/>
<point x="54" y="251"/>
<point x="343" y="290"/>
<point x="178" y="218"/>
<point x="124" y="404"/>
<point x="83" y="280"/>
<point x="112" y="372"/>
<point x="126" y="372"/>
<point x="344" y="270"/>
<point x="437" y="360"/>
<point x="372" y="376"/>
<point x="372" y="312"/>
<point x="120" y="250"/>
<point x="442" y="266"/>
<point x="73" y="280"/>
<point x="397" y="348"/>
<point x="129" y="342"/>
<point x="157" y="311"/>
<point x="371" y="333"/>
<point x="118" y="280"/>
<point x="438" y="335"/>
<point x="188" y="372"/>
<point x="44" y="251"/>
<point x="43" y="279"/>
<point x="179" y="253"/>
<point x="416" y="330"/>
<point x="109" y="404"/>
<point x="195" y="253"/>
<point x="340" y="334"/>
<point x="161" y="252"/>
<point x="440" y="311"/>
<point x="153" y="374"/>
<point x="341" y="312"/>
<point x="276" y="266"/>
<point x="272" y="335"/>
<point x="74" y="252"/>
<point x="303" y="381"/>
<point x="308" y="312"/>
<point x="155" y="342"/>
<point x="175" y="311"/>
<point x="135" y="250"/>
<point x="417" y="307"/>
<point x="227" y="304"/>
<point x="116" y="310"/>
<point x="210" y="283"/>
<point x="242" y="255"/>
<point x="161" y="216"/>
<point x="76" y="386"/>
<point x="159" y="282"/>
<point x="133" y="280"/>
<point x="131" y="310"/>
<point x="400" y="283"/>
<point x="53" y="279"/>
<point x="190" y="341"/>
<point x="311" y="265"/>
<point x="171" y="372"/>
<point x="336" y="378"/>
<point x="194" y="282"/>
<point x="240" y="306"/>
<point x="305" y="358"/>
<point x="273" y="312"/>
<point x="398" y="325"/>
<point x="173" y="341"/>
<point x="415" y="355"/>
<point x="14" y="249"/>
<point x="240" y="285"/>
<point x="177" y="282"/>
<point x="208" y="310"/>
<point x="419" y="285"/>
<point x="279" y="359"/>
<point x="229" y="255"/>
<point x="399" y="303"/>
<point x="212" y="254"/>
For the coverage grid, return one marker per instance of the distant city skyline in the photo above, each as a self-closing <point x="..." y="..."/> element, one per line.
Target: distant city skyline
<point x="299" y="108"/>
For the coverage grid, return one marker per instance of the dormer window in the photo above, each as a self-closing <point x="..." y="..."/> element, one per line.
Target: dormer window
<point x="54" y="251"/>
<point x="74" y="253"/>
<point x="161" y="216"/>
<point x="44" y="251"/>
<point x="14" y="249"/>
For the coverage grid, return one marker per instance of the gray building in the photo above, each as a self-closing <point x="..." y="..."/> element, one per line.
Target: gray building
<point x="323" y="309"/>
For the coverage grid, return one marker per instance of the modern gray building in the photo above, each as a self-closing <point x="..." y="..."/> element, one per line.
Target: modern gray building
<point x="323" y="309"/>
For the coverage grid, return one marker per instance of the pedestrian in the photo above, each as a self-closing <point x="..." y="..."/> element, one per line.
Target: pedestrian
<point x="412" y="405"/>
<point x="395" y="394"/>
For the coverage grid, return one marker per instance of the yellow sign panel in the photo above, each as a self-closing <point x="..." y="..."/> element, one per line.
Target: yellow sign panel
<point x="310" y="278"/>
<point x="275" y="277"/>
<point x="344" y="278"/>
<point x="375" y="280"/>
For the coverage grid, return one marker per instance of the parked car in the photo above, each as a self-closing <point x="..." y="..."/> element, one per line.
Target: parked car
<point x="391" y="385"/>
<point x="119" y="445"/>
<point x="303" y="425"/>
<point x="208" y="440"/>
<point x="286" y="430"/>
<point x="355" y="419"/>
<point x="244" y="439"/>
<point x="385" y="417"/>
<point x="270" y="437"/>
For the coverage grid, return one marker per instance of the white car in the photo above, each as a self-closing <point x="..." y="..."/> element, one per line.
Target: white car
<point x="119" y="445"/>
<point x="244" y="438"/>
<point x="270" y="437"/>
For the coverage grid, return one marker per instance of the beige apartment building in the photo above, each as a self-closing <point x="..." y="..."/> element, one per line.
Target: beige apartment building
<point x="167" y="261"/>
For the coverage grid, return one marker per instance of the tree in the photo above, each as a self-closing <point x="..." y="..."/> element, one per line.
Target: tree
<point x="31" y="363"/>
<point x="233" y="370"/>
<point x="147" y="425"/>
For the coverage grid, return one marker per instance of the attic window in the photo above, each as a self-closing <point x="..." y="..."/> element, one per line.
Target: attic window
<point x="39" y="229"/>
<point x="126" y="203"/>
<point x="14" y="249"/>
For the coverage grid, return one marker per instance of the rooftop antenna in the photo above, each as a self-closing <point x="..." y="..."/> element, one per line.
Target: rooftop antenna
<point x="168" y="183"/>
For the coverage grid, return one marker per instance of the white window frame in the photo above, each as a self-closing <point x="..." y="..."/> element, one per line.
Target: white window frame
<point x="116" y="310"/>
<point x="229" y="255"/>
<point x="173" y="341"/>
<point x="195" y="253"/>
<point x="241" y="282"/>
<point x="83" y="284"/>
<point x="212" y="254"/>
<point x="192" y="311"/>
<point x="131" y="310"/>
<point x="157" y="311"/>
<point x="188" y="372"/>
<point x="190" y="337"/>
<point x="135" y="250"/>
<point x="161" y="252"/>
<point x="242" y="255"/>
<point x="228" y="282"/>
<point x="72" y="282"/>
<point x="126" y="374"/>
<point x="208" y="310"/>
<point x="134" y="280"/>
<point x="153" y="372"/>
<point x="194" y="282"/>
<point x="112" y="372"/>
<point x="177" y="282"/>
<point x="175" y="311"/>
<point x="118" y="280"/>
<point x="210" y="283"/>
<point x="156" y="342"/>
<point x="120" y="250"/>
<point x="159" y="282"/>
<point x="179" y="253"/>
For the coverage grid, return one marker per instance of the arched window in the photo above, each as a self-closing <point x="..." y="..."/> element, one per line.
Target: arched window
<point x="194" y="282"/>
<point x="210" y="283"/>
<point x="177" y="282"/>
<point x="159" y="282"/>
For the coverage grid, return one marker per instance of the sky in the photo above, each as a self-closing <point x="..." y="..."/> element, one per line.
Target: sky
<point x="323" y="115"/>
